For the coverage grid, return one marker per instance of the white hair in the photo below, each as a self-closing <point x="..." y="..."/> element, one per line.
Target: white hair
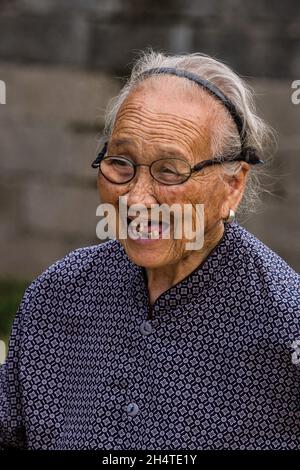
<point x="225" y="139"/>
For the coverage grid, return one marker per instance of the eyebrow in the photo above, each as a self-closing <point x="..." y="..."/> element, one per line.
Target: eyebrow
<point x="164" y="150"/>
<point x="170" y="152"/>
<point x="121" y="141"/>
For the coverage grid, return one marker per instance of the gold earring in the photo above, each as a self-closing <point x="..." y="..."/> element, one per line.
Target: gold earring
<point x="230" y="218"/>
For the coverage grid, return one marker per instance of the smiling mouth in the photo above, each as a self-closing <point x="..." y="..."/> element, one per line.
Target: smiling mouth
<point x="148" y="229"/>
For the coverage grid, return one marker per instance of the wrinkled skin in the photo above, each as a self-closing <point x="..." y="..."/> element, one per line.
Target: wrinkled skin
<point x="160" y="118"/>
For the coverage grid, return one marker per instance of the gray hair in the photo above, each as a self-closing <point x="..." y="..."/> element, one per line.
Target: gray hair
<point x="225" y="138"/>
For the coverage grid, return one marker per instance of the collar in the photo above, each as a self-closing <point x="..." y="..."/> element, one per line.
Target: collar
<point x="187" y="290"/>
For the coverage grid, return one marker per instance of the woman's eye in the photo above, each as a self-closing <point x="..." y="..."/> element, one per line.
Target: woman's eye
<point x="170" y="171"/>
<point x="119" y="163"/>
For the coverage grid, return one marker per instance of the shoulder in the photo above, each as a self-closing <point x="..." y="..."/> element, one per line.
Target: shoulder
<point x="79" y="274"/>
<point x="260" y="259"/>
<point x="272" y="286"/>
<point x="83" y="262"/>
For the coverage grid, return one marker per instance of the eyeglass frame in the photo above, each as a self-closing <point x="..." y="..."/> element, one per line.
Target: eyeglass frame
<point x="247" y="155"/>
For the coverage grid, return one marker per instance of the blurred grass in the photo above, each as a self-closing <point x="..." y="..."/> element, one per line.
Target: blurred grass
<point x="11" y="293"/>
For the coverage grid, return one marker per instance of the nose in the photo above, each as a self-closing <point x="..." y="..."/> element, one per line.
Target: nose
<point x="141" y="188"/>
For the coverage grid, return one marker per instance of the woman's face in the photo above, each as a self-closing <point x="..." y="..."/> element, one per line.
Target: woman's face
<point x="159" y="120"/>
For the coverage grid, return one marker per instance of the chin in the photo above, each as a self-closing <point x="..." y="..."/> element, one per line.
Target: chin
<point x="145" y="255"/>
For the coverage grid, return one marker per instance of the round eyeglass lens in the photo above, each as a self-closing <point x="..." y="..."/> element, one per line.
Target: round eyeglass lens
<point x="170" y="170"/>
<point x="117" y="169"/>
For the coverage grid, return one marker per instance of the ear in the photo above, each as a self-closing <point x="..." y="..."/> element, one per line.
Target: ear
<point x="234" y="187"/>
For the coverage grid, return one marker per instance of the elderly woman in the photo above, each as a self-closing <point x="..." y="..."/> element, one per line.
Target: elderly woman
<point x="138" y="342"/>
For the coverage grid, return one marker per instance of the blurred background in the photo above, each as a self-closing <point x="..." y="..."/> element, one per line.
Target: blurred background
<point x="62" y="60"/>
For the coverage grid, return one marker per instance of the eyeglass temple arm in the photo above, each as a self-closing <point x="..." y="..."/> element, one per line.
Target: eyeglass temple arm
<point x="247" y="155"/>
<point x="100" y="155"/>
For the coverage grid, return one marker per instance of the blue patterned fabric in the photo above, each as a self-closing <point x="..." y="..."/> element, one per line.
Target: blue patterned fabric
<point x="212" y="369"/>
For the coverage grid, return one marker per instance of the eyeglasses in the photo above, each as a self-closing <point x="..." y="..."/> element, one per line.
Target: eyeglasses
<point x="167" y="171"/>
<point x="119" y="169"/>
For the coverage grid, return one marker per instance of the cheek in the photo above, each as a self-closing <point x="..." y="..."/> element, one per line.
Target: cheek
<point x="211" y="193"/>
<point x="214" y="200"/>
<point x="108" y="192"/>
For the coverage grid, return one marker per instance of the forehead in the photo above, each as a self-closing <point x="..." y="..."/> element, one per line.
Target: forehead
<point x="171" y="109"/>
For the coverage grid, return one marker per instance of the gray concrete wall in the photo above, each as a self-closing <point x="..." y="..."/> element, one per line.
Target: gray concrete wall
<point x="260" y="38"/>
<point x="49" y="130"/>
<point x="277" y="222"/>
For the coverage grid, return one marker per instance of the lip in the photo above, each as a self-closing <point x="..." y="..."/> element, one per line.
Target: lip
<point x="160" y="227"/>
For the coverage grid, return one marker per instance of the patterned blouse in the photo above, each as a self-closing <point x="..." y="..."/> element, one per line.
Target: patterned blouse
<point x="210" y="365"/>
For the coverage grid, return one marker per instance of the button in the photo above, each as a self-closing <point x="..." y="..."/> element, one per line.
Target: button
<point x="146" y="328"/>
<point x="132" y="409"/>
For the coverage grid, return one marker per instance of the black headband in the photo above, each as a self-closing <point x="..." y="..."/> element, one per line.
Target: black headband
<point x="247" y="154"/>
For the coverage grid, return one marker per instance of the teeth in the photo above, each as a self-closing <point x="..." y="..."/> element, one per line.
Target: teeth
<point x="153" y="234"/>
<point x="142" y="230"/>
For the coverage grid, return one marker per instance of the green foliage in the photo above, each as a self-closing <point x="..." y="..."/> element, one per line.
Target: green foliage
<point x="11" y="293"/>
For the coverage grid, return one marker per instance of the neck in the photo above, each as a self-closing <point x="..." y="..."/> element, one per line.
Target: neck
<point x="162" y="278"/>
